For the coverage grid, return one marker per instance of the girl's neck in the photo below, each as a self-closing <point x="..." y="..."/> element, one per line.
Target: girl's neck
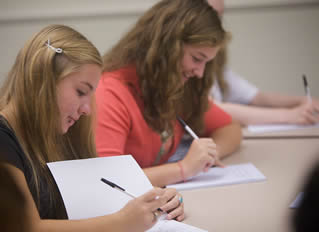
<point x="7" y="113"/>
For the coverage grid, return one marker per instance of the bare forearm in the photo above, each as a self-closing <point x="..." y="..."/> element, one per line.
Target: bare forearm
<point x="227" y="139"/>
<point x="109" y="223"/>
<point x="276" y="100"/>
<point x="163" y="175"/>
<point x="250" y="115"/>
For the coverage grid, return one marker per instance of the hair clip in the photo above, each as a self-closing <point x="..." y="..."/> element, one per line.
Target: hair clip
<point x="57" y="50"/>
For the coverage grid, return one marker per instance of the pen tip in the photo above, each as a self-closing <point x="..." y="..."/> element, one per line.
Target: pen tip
<point x="181" y="121"/>
<point x="305" y="80"/>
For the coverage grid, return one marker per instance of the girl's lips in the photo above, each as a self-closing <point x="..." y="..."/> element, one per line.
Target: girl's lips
<point x="71" y="121"/>
<point x="185" y="78"/>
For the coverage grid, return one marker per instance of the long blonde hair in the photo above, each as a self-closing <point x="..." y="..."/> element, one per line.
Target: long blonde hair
<point x="30" y="91"/>
<point x="155" y="46"/>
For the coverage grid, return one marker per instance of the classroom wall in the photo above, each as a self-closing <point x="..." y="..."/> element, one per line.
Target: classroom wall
<point x="274" y="41"/>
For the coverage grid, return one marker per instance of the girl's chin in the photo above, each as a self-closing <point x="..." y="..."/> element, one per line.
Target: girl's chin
<point x="65" y="129"/>
<point x="184" y="80"/>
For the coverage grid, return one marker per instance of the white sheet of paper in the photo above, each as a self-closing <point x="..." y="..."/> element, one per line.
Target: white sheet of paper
<point x="83" y="192"/>
<point x="232" y="174"/>
<point x="86" y="196"/>
<point x="278" y="127"/>
<point x="163" y="225"/>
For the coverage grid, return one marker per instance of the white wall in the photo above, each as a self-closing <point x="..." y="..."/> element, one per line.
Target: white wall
<point x="274" y="41"/>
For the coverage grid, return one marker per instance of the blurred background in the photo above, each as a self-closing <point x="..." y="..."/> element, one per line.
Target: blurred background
<point x="273" y="42"/>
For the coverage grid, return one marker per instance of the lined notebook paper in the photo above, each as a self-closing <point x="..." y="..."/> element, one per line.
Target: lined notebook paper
<point x="232" y="174"/>
<point x="278" y="127"/>
<point x="86" y="196"/>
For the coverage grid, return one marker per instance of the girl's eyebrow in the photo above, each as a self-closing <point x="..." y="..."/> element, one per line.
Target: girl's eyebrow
<point x="203" y="55"/>
<point x="88" y="84"/>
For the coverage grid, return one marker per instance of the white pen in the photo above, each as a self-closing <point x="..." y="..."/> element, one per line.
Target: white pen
<point x="307" y="89"/>
<point x="187" y="128"/>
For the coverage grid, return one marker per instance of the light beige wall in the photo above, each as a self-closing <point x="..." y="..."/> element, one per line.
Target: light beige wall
<point x="274" y="41"/>
<point x="273" y="46"/>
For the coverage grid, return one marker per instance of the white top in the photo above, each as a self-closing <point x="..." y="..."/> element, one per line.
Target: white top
<point x="239" y="90"/>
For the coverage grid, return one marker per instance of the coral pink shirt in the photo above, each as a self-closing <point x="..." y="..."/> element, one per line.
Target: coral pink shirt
<point x="121" y="128"/>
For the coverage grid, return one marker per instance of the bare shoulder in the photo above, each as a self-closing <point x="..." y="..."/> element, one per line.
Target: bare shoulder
<point x="14" y="199"/>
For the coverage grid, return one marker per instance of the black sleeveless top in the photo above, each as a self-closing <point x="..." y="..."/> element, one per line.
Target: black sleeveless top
<point x="11" y="152"/>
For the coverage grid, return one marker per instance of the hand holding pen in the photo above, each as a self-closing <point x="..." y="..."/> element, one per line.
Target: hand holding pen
<point x="309" y="110"/>
<point x="141" y="211"/>
<point x="115" y="186"/>
<point x="170" y="201"/>
<point x="202" y="154"/>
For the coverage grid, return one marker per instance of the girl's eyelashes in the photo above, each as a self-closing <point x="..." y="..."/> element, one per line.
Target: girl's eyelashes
<point x="80" y="93"/>
<point x="195" y="59"/>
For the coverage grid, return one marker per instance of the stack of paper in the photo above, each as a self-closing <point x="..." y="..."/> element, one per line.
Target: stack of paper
<point x="278" y="127"/>
<point x="232" y="174"/>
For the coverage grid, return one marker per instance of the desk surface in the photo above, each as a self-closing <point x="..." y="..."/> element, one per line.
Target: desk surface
<point x="298" y="133"/>
<point x="260" y="206"/>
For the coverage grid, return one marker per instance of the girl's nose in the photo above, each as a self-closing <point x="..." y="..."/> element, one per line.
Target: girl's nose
<point x="85" y="109"/>
<point x="199" y="70"/>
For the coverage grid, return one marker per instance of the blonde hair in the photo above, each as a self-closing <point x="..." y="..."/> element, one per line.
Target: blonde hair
<point x="155" y="46"/>
<point x="30" y="91"/>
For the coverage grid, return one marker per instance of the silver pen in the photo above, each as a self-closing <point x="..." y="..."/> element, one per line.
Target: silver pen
<point x="187" y="128"/>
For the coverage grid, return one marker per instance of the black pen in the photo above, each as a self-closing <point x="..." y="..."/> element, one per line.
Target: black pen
<point x="113" y="185"/>
<point x="307" y="89"/>
<point x="187" y="128"/>
<point x="117" y="187"/>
